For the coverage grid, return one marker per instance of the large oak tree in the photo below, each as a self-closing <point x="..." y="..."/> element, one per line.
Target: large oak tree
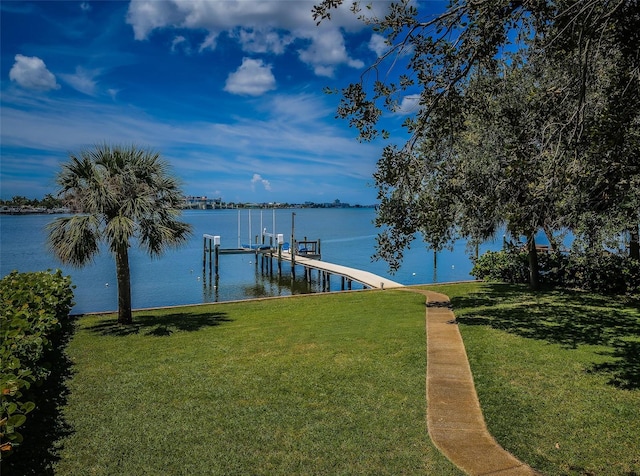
<point x="528" y="118"/>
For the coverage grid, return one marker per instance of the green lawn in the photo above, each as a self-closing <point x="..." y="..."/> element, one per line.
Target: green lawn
<point x="329" y="384"/>
<point x="558" y="375"/>
<point x="335" y="384"/>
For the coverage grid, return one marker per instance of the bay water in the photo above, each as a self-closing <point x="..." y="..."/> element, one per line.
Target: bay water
<point x="347" y="238"/>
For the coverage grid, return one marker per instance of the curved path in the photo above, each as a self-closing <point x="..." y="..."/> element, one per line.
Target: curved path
<point x="454" y="417"/>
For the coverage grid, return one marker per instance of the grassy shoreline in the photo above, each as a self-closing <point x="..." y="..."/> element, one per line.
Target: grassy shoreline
<point x="334" y="384"/>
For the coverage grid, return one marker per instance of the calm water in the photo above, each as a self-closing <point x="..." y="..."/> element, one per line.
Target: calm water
<point x="347" y="238"/>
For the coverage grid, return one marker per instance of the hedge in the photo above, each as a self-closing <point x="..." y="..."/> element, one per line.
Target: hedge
<point x="33" y="310"/>
<point x="598" y="271"/>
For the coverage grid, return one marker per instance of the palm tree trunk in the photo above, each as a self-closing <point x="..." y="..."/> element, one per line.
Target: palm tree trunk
<point x="534" y="271"/>
<point x="124" y="285"/>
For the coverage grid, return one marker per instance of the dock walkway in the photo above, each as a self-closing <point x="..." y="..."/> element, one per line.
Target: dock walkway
<point x="364" y="277"/>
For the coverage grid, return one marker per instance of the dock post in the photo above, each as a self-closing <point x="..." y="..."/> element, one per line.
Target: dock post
<point x="342" y="283"/>
<point x="204" y="256"/>
<point x="210" y="259"/>
<point x="270" y="264"/>
<point x="293" y="259"/>
<point x="216" y="244"/>
<point x="279" y="260"/>
<point x="292" y="246"/>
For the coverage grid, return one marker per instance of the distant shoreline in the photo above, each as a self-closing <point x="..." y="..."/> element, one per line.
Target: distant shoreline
<point x="32" y="211"/>
<point x="5" y="210"/>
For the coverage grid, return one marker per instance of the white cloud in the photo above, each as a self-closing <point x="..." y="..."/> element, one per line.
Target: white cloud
<point x="326" y="52"/>
<point x="180" y="43"/>
<point x="145" y="16"/>
<point x="259" y="27"/>
<point x="378" y="44"/>
<point x="298" y="108"/>
<point x="83" y="80"/>
<point x="252" y="78"/>
<point x="210" y="42"/>
<point x="257" y="178"/>
<point x="30" y="72"/>
<point x="256" y="40"/>
<point x="85" y="7"/>
<point x="409" y="104"/>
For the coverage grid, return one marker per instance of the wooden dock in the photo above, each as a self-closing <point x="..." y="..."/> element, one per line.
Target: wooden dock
<point x="350" y="274"/>
<point x="305" y="253"/>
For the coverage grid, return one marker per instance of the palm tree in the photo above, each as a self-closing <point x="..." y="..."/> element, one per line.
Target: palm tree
<point x="122" y="193"/>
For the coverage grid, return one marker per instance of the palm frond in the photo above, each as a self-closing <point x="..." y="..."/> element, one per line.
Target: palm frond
<point x="118" y="231"/>
<point x="74" y="240"/>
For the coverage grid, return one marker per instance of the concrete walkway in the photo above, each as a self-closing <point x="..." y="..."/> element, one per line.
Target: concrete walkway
<point x="454" y="417"/>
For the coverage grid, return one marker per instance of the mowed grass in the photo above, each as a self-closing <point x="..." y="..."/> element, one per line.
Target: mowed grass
<point x="557" y="373"/>
<point x="324" y="384"/>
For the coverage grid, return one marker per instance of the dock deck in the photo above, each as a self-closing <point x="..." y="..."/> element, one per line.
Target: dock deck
<point x="306" y="254"/>
<point x="364" y="277"/>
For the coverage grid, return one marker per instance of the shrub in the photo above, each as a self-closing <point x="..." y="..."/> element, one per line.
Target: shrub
<point x="597" y="271"/>
<point x="604" y="272"/>
<point x="504" y="266"/>
<point x="33" y="308"/>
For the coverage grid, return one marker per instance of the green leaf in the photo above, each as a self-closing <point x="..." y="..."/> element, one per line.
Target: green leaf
<point x="11" y="408"/>
<point x="16" y="420"/>
<point x="27" y="407"/>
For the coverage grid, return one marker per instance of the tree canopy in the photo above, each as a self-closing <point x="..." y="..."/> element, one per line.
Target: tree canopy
<point x="122" y="193"/>
<point x="528" y="118"/>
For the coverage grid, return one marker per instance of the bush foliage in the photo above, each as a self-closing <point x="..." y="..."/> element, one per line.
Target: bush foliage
<point x="597" y="271"/>
<point x="33" y="309"/>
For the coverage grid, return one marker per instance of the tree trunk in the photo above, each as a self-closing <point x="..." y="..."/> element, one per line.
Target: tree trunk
<point x="534" y="272"/>
<point x="124" y="285"/>
<point x="553" y="244"/>
<point x="634" y="244"/>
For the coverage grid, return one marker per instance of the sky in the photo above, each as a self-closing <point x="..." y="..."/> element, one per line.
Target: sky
<point x="231" y="93"/>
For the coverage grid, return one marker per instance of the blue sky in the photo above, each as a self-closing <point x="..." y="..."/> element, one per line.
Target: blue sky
<point x="230" y="92"/>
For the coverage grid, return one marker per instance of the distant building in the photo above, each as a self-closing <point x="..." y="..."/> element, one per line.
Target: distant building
<point x="202" y="203"/>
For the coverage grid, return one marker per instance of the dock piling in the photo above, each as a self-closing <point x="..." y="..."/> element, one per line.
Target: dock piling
<point x="216" y="244"/>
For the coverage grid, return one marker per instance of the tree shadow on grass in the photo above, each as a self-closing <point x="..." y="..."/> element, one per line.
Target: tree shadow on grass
<point x="625" y="369"/>
<point x="568" y="318"/>
<point x="163" y="325"/>
<point x="45" y="427"/>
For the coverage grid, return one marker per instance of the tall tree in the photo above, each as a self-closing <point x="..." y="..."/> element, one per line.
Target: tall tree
<point x="123" y="193"/>
<point x="526" y="117"/>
